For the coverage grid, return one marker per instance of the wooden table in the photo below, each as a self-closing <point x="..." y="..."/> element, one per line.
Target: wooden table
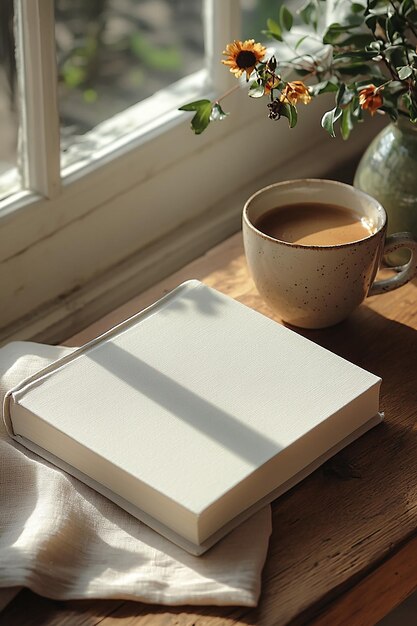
<point x="344" y="544"/>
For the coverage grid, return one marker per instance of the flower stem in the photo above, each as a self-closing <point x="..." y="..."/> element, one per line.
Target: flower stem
<point x="227" y="93"/>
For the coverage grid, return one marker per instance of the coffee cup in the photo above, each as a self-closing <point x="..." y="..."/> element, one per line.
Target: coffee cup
<point x="321" y="260"/>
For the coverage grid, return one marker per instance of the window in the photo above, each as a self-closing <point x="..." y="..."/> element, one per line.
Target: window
<point x="113" y="190"/>
<point x="112" y="55"/>
<point x="9" y="179"/>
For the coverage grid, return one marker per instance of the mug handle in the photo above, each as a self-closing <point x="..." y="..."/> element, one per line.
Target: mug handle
<point x="407" y="271"/>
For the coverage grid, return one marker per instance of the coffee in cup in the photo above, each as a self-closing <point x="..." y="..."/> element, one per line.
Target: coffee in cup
<point x="314" y="224"/>
<point x="314" y="247"/>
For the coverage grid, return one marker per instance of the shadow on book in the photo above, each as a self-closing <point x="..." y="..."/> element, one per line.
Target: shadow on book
<point x="194" y="413"/>
<point x="184" y="404"/>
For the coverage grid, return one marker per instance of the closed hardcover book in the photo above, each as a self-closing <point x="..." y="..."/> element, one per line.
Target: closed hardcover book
<point x="194" y="413"/>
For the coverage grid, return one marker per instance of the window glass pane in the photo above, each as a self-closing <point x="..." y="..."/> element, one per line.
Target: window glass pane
<point x="254" y="16"/>
<point x="115" y="53"/>
<point x="9" y="178"/>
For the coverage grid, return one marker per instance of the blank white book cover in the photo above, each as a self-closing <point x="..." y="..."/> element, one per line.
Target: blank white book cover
<point x="194" y="409"/>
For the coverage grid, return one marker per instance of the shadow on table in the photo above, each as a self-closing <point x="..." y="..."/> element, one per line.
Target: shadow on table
<point x="361" y="503"/>
<point x="386" y="348"/>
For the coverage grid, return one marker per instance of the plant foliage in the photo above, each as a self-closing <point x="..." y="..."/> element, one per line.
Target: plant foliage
<point x="365" y="54"/>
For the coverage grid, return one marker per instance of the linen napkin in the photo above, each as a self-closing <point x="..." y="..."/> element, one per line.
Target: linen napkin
<point x="65" y="541"/>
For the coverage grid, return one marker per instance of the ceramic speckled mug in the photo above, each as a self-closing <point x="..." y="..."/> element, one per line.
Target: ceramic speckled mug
<point x="314" y="286"/>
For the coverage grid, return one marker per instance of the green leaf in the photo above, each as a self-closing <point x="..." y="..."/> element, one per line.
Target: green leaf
<point x="328" y="120"/>
<point x="411" y="107"/>
<point x="378" y="8"/>
<point x="346" y="123"/>
<point x="371" y="22"/>
<point x="194" y="106"/>
<point x="390" y="109"/>
<point x="335" y="30"/>
<point x="309" y="14"/>
<point x="256" y="90"/>
<point x="376" y="45"/>
<point x="404" y="72"/>
<point x="406" y="6"/>
<point x="354" y="20"/>
<point x="356" y="110"/>
<point x="346" y="98"/>
<point x="269" y="33"/>
<point x="324" y="86"/>
<point x="377" y="81"/>
<point x="393" y="26"/>
<point x="358" y="69"/>
<point x="340" y="93"/>
<point x="300" y="41"/>
<point x="348" y="56"/>
<point x="395" y="55"/>
<point x="274" y="29"/>
<point x="285" y="18"/>
<point x="217" y="113"/>
<point x="412" y="15"/>
<point x="201" y="119"/>
<point x="393" y="87"/>
<point x="360" y="40"/>
<point x="333" y="33"/>
<point x="301" y="72"/>
<point x="290" y="112"/>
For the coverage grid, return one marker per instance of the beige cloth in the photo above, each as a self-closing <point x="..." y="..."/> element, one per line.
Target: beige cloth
<point x="65" y="541"/>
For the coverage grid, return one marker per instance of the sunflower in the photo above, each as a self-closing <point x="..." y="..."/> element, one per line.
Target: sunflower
<point x="294" y="92"/>
<point x="370" y="98"/>
<point x="243" y="56"/>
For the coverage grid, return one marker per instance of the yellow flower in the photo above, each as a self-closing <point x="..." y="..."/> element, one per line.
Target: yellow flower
<point x="295" y="92"/>
<point x="243" y="56"/>
<point x="370" y="98"/>
<point x="271" y="83"/>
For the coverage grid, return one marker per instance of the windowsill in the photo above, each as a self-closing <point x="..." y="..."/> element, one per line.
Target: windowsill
<point x="221" y="258"/>
<point x="139" y="272"/>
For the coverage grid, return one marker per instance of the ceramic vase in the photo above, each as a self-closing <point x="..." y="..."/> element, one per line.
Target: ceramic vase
<point x="388" y="172"/>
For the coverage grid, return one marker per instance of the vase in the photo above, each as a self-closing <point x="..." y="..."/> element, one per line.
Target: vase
<point x="388" y="172"/>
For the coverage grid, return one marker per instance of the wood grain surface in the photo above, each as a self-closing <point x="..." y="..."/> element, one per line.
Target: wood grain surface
<point x="342" y="550"/>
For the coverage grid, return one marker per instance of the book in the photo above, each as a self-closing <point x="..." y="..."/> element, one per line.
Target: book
<point x="193" y="413"/>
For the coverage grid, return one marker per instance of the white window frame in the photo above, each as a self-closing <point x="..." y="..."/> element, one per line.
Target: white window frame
<point x="77" y="246"/>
